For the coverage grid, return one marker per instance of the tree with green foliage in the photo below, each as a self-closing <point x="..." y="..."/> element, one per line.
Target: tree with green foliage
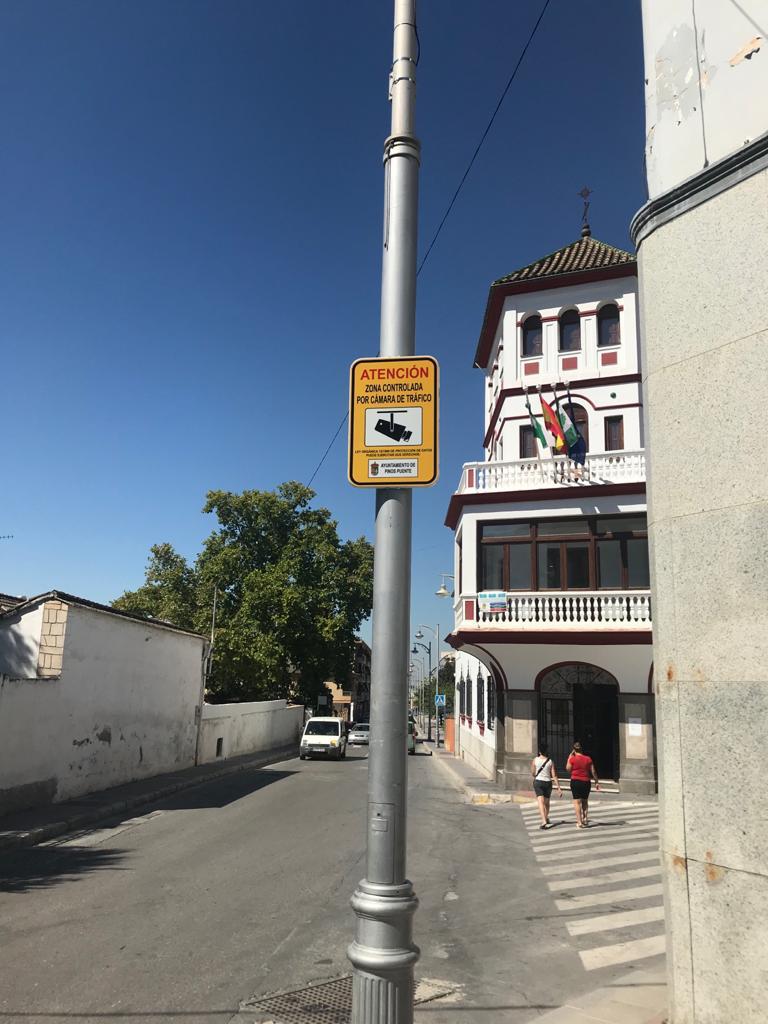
<point x="290" y="595"/>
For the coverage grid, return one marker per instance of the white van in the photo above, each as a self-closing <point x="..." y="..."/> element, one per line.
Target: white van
<point x="324" y="737"/>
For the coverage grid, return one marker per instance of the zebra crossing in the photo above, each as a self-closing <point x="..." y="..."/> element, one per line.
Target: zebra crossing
<point x="605" y="880"/>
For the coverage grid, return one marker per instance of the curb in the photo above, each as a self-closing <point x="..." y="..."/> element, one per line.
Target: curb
<point x="35" y="836"/>
<point x="481" y="796"/>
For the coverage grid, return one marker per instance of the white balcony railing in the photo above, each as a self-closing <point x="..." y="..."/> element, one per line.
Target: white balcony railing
<point x="599" y="468"/>
<point x="568" y="610"/>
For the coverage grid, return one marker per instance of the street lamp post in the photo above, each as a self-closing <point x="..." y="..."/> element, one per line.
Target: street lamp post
<point x="383" y="953"/>
<point x="428" y="648"/>
<point x="419" y="635"/>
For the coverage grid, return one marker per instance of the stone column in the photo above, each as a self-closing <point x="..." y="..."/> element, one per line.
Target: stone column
<point x="704" y="282"/>
<point x="637" y="772"/>
<point x="521" y="735"/>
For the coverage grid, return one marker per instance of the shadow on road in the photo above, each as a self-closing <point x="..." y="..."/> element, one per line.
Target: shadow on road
<point x="39" y="867"/>
<point x="221" y="792"/>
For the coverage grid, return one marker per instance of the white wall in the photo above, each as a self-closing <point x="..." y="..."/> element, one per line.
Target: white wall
<point x="249" y="728"/>
<point x="123" y="709"/>
<point x="706" y="90"/>
<point x="20" y="645"/>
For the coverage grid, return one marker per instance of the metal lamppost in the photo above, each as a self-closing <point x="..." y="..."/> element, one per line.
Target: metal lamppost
<point x="419" y="635"/>
<point x="383" y="953"/>
<point x="428" y="648"/>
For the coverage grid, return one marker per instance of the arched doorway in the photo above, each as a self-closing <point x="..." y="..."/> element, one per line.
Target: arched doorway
<point x="580" y="702"/>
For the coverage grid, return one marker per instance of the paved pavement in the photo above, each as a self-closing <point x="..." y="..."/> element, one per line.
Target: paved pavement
<point x="239" y="887"/>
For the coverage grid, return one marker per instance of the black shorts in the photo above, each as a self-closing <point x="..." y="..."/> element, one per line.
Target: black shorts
<point x="580" y="789"/>
<point x="541" y="788"/>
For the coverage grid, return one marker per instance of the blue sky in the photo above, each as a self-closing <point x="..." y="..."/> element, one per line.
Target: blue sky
<point x="190" y="225"/>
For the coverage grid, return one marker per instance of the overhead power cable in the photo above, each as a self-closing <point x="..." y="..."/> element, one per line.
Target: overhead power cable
<point x="455" y="196"/>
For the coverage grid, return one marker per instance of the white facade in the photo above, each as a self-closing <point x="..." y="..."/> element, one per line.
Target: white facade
<point x="229" y="730"/>
<point x="535" y="641"/>
<point x="121" y="706"/>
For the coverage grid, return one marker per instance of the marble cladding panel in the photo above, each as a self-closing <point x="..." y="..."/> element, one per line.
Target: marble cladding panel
<point x="728" y="936"/>
<point x="679" y="959"/>
<point x="723" y="742"/>
<point x="687" y="320"/>
<point x="671" y="806"/>
<point x="720" y="572"/>
<point x="724" y="388"/>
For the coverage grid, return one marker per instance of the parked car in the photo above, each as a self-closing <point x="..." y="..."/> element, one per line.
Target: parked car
<point x="359" y="733"/>
<point x="324" y="737"/>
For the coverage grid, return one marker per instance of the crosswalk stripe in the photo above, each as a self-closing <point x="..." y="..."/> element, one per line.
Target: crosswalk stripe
<point x="598" y="879"/>
<point x="583" y="839"/>
<point x="623" y="952"/>
<point x="636" y="843"/>
<point x="563" y="828"/>
<point x="602" y="899"/>
<point x="612" y="922"/>
<point x="602" y="862"/>
<point x="532" y="810"/>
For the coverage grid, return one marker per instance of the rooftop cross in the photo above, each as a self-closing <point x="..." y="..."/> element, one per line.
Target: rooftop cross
<point x="586" y="231"/>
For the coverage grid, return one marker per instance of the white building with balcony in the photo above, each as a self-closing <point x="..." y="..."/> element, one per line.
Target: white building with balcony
<point x="552" y="600"/>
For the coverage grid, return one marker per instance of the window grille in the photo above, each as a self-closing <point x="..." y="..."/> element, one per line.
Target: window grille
<point x="480" y="697"/>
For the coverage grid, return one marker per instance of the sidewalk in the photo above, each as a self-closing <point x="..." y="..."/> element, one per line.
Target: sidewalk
<point x="28" y="828"/>
<point x="638" y="997"/>
<point x="480" y="790"/>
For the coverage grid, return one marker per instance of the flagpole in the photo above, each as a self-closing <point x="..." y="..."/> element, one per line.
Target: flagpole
<point x="551" y="449"/>
<point x="535" y="438"/>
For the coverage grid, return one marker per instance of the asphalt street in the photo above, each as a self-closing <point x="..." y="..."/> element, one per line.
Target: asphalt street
<point x="240" y="887"/>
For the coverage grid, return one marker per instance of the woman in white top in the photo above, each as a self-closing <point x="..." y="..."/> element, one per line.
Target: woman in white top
<point x="544" y="774"/>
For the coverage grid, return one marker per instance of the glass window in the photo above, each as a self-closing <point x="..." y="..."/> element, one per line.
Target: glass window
<point x="491" y="716"/>
<point x="468" y="696"/>
<point x="480" y="698"/>
<point x="570" y="331"/>
<point x="527" y="443"/>
<point x="505" y="530"/>
<point x="614" y="433"/>
<point x="532" y="336"/>
<point x="322" y="728"/>
<point x="492" y="566"/>
<point x="608" y="331"/>
<point x="564" y="528"/>
<point x="622" y="524"/>
<point x="549" y="566"/>
<point x="609" y="564"/>
<point x="638" y="575"/>
<point x="519" y="567"/>
<point x="577" y="565"/>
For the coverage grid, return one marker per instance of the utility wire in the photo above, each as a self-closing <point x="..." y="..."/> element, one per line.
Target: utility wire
<point x="455" y="196"/>
<point x="483" y="137"/>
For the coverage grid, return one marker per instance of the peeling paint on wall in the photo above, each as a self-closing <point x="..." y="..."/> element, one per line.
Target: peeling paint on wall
<point x="677" y="75"/>
<point x="747" y="51"/>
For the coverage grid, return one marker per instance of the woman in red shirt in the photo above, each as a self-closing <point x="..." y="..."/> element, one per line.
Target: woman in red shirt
<point x="582" y="769"/>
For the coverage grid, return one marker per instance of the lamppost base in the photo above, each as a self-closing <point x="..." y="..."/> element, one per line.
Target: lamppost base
<point x="383" y="954"/>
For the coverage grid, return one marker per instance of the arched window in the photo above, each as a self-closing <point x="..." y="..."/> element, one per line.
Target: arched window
<point x="570" y="331"/>
<point x="480" y="697"/>
<point x="468" y="697"/>
<point x="532" y="336"/>
<point x="491" y="702"/>
<point x="608" y="330"/>
<point x="581" y="419"/>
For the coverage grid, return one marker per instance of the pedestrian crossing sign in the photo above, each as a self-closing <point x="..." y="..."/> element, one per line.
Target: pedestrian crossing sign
<point x="439" y="700"/>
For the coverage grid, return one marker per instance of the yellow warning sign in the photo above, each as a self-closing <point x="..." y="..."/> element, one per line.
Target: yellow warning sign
<point x="393" y="407"/>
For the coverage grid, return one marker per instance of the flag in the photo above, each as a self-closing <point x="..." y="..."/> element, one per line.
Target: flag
<point x="538" y="430"/>
<point x="577" y="450"/>
<point x="553" y="425"/>
<point x="573" y="438"/>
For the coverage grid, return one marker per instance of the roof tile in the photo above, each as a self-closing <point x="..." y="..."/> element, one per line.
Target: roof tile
<point x="586" y="253"/>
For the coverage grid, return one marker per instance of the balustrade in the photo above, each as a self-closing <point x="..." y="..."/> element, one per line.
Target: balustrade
<point x="604" y="609"/>
<point x="602" y="467"/>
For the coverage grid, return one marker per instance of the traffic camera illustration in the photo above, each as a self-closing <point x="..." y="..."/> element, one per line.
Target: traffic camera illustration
<point x="394" y="431"/>
<point x="387" y="427"/>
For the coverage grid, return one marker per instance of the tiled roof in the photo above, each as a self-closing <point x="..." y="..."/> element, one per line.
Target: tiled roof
<point x="587" y="253"/>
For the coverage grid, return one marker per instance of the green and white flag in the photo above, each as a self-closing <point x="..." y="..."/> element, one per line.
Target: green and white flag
<point x="571" y="433"/>
<point x="537" y="427"/>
